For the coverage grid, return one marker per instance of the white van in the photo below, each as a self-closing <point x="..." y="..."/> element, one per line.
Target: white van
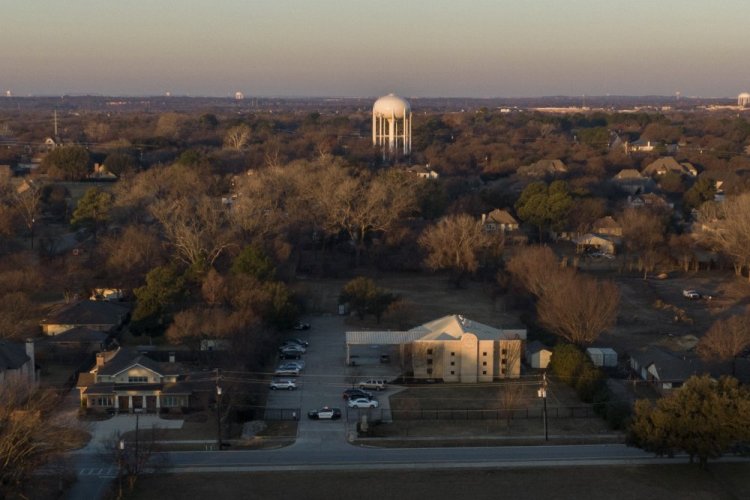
<point x="377" y="384"/>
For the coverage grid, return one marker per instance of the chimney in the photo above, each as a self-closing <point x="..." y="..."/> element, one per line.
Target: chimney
<point x="171" y="357"/>
<point x="30" y="354"/>
<point x="100" y="359"/>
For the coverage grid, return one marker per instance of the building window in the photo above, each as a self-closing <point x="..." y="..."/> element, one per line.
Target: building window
<point x="429" y="371"/>
<point x="453" y="363"/>
<point x="452" y="372"/>
<point x="484" y="372"/>
<point x="170" y="401"/>
<point x="103" y="401"/>
<point x="484" y="363"/>
<point x="453" y="354"/>
<point x="429" y="352"/>
<point x="484" y="354"/>
<point x="429" y="361"/>
<point x="505" y="352"/>
<point x="138" y="380"/>
<point x="504" y="361"/>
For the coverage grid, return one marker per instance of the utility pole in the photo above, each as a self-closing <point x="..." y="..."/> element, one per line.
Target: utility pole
<point x="218" y="410"/>
<point x="542" y="393"/>
<point x="121" y="448"/>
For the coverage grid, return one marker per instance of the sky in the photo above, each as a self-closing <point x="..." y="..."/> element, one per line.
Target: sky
<point x="357" y="48"/>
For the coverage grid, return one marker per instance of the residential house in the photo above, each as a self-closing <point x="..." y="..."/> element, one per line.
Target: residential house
<point x="124" y="380"/>
<point x="543" y="168"/>
<point x="499" y="220"/>
<point x="665" y="369"/>
<point x="538" y="355"/>
<point x="451" y="349"/>
<point x="75" y="341"/>
<point x="92" y="314"/>
<point x="602" y="356"/>
<point x="102" y="173"/>
<point x="17" y="362"/>
<point x="641" y="146"/>
<point x="607" y="226"/>
<point x="423" y="172"/>
<point x="601" y="243"/>
<point x="667" y="164"/>
<point x="632" y="182"/>
<point x="649" y="200"/>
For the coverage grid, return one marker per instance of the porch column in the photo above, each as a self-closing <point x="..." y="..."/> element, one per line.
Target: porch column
<point x="130" y="404"/>
<point x="158" y="402"/>
<point x="143" y="403"/>
<point x="117" y="403"/>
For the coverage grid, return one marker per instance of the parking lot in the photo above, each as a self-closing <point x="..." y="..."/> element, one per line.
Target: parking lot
<point x="323" y="380"/>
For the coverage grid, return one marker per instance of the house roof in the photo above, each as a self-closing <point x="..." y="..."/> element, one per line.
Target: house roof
<point x="543" y="167"/>
<point x="669" y="366"/>
<point x="669" y="164"/>
<point x="12" y="355"/>
<point x="79" y="334"/>
<point x="628" y="174"/>
<point x="126" y="358"/>
<point x="607" y="223"/>
<point x="501" y="217"/>
<point x="88" y="312"/>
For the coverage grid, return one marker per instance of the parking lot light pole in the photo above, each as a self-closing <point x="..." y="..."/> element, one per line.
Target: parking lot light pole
<point x="542" y="393"/>
<point x="218" y="416"/>
<point x="121" y="450"/>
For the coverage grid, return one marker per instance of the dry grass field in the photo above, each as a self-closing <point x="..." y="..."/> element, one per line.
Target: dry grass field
<point x="658" y="482"/>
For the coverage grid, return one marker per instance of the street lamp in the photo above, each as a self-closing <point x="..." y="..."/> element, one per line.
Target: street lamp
<point x="542" y="393"/>
<point x="218" y="416"/>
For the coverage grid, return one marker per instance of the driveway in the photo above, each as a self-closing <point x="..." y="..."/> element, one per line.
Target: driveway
<point x="322" y="382"/>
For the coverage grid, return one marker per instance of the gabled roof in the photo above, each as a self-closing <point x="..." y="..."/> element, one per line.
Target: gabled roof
<point x="607" y="223"/>
<point x="79" y="334"/>
<point x="669" y="366"/>
<point x="125" y="359"/>
<point x="88" y="312"/>
<point x="536" y="346"/>
<point x="669" y="164"/>
<point x="543" y="167"/>
<point x="12" y="355"/>
<point x="629" y="174"/>
<point x="501" y="217"/>
<point x="454" y="327"/>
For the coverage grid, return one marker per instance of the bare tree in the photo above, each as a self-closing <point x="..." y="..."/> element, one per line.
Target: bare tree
<point x="196" y="228"/>
<point x="511" y="395"/>
<point x="455" y="243"/>
<point x="726" y="340"/>
<point x="236" y="137"/>
<point x="537" y="269"/>
<point x="28" y="205"/>
<point x="643" y="231"/>
<point x="135" y="455"/>
<point x="132" y="253"/>
<point x="30" y="435"/>
<point x="579" y="309"/>
<point x="728" y="228"/>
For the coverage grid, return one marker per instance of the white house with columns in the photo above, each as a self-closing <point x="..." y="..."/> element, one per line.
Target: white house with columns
<point x="126" y="381"/>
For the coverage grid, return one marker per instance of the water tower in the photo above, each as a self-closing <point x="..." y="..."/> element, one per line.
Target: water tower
<point x="391" y="125"/>
<point x="743" y="100"/>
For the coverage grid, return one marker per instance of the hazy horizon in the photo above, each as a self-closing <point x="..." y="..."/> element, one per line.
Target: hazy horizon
<point x="335" y="48"/>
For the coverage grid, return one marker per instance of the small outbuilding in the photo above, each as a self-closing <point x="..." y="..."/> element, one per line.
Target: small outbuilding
<point x="538" y="355"/>
<point x="602" y="356"/>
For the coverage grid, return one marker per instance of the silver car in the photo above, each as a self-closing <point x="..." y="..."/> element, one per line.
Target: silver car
<point x="287" y="384"/>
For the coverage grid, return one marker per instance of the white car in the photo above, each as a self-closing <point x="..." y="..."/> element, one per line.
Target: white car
<point x="294" y="363"/>
<point x="362" y="403"/>
<point x="287" y="384"/>
<point x="691" y="294"/>
<point x="297" y="349"/>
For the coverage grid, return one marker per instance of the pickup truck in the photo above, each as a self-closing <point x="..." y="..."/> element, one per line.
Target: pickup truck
<point x="691" y="294"/>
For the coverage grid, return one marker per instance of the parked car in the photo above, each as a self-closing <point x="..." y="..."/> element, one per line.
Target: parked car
<point x="324" y="413"/>
<point x="356" y="393"/>
<point x="293" y="348"/>
<point x="296" y="342"/>
<point x="691" y="294"/>
<point x="362" y="403"/>
<point x="290" y="355"/>
<point x="287" y="384"/>
<point x="377" y="384"/>
<point x="296" y="363"/>
<point x="287" y="371"/>
<point x="301" y="326"/>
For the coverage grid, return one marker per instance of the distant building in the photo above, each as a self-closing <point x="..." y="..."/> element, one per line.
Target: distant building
<point x="668" y="164"/>
<point x="743" y="100"/>
<point x="238" y="96"/>
<point x="543" y="168"/>
<point x="499" y="220"/>
<point x="391" y="125"/>
<point x="17" y="364"/>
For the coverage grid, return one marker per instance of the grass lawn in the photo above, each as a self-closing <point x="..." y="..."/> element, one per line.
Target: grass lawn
<point x="726" y="481"/>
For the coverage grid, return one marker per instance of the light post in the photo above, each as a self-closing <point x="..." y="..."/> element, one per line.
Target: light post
<point x="542" y="393"/>
<point x="218" y="416"/>
<point x="121" y="451"/>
